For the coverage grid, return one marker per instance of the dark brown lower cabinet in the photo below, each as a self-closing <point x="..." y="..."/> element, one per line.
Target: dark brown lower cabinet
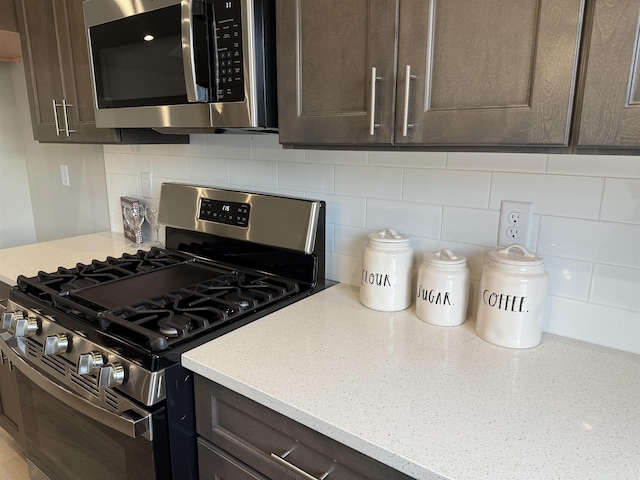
<point x="240" y="439"/>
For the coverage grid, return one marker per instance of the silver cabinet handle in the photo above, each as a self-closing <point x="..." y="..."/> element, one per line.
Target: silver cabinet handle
<point x="407" y="88"/>
<point x="55" y="115"/>
<point x="281" y="460"/>
<point x="65" y="116"/>
<point x="372" y="124"/>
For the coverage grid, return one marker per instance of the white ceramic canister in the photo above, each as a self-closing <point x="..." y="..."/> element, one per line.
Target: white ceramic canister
<point x="387" y="261"/>
<point x="443" y="288"/>
<point x="513" y="295"/>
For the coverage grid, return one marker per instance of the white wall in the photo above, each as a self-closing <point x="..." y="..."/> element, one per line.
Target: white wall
<point x="58" y="211"/>
<point x="586" y="211"/>
<point x="16" y="219"/>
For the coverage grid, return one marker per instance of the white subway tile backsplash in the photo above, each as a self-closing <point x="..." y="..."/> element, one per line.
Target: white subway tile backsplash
<point x="350" y="240"/>
<point x="266" y="147"/>
<point x="408" y="159"/>
<point x="171" y="167"/>
<point x="214" y="171"/>
<point x="447" y="187"/>
<point x="498" y="162"/>
<point x="551" y="194"/>
<point x="404" y="217"/>
<point x="374" y="182"/>
<point x="568" y="278"/>
<point x="625" y="166"/>
<point x="590" y="240"/>
<point x="586" y="221"/>
<point x="469" y="225"/>
<point x="608" y="326"/>
<point x="253" y="172"/>
<point x="341" y="210"/>
<point x="336" y="157"/>
<point x="621" y="200"/>
<point x="616" y="287"/>
<point x="226" y="145"/>
<point x="310" y="177"/>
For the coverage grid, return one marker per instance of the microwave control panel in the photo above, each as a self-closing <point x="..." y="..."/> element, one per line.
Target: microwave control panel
<point x="229" y="213"/>
<point x="229" y="73"/>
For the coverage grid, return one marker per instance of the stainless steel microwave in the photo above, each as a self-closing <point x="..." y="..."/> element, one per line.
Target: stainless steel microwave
<point x="190" y="64"/>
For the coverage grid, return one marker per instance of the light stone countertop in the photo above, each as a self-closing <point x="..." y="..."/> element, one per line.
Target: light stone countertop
<point x="425" y="400"/>
<point x="48" y="256"/>
<point x="436" y="402"/>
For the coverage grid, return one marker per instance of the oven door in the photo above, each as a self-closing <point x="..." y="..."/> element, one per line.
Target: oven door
<point x="68" y="438"/>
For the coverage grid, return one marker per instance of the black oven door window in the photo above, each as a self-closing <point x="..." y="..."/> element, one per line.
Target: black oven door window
<point x="67" y="445"/>
<point x="138" y="61"/>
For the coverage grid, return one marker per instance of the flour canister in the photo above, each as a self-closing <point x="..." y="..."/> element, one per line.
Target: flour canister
<point x="387" y="261"/>
<point x="513" y="294"/>
<point x="443" y="288"/>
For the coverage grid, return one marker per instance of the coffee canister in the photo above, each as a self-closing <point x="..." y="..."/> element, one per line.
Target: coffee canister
<point x="387" y="261"/>
<point x="443" y="288"/>
<point x="512" y="299"/>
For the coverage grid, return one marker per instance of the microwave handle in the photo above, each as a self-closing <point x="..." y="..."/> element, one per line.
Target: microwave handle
<point x="188" y="52"/>
<point x="134" y="428"/>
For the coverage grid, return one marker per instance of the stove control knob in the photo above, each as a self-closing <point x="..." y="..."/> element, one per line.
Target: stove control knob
<point x="7" y="320"/>
<point x="111" y="375"/>
<point x="89" y="363"/>
<point x="25" y="327"/>
<point x="56" y="344"/>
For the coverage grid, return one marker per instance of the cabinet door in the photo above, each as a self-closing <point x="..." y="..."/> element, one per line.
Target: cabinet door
<point x="327" y="53"/>
<point x="57" y="70"/>
<point x="41" y="55"/>
<point x="488" y="72"/>
<point x="611" y="103"/>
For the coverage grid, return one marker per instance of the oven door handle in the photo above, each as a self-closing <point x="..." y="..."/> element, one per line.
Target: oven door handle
<point x="132" y="427"/>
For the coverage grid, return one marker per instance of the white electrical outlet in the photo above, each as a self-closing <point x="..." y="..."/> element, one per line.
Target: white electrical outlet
<point x="64" y="176"/>
<point x="147" y="185"/>
<point x="515" y="223"/>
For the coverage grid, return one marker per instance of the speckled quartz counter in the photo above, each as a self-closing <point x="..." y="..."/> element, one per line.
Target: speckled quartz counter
<point x="436" y="402"/>
<point x="48" y="256"/>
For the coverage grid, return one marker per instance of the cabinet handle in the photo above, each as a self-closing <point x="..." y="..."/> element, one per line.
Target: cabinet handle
<point x="65" y="116"/>
<point x="407" y="87"/>
<point x="55" y="116"/>
<point x="281" y="460"/>
<point x="372" y="124"/>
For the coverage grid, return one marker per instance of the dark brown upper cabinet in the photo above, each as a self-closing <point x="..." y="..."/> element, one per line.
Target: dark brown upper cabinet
<point x="56" y="63"/>
<point x="428" y="73"/>
<point x="610" y="116"/>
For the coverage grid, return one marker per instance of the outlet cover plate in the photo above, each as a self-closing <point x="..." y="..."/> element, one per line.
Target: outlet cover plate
<point x="515" y="224"/>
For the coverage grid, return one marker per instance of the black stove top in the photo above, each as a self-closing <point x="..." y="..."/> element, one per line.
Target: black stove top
<point x="158" y="299"/>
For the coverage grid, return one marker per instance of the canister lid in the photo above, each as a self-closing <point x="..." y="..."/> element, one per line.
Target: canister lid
<point x="444" y="256"/>
<point x="515" y="255"/>
<point x="388" y="236"/>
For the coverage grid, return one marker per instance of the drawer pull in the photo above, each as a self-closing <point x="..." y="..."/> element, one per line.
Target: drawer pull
<point x="281" y="460"/>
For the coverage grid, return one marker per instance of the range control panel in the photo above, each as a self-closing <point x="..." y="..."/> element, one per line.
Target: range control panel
<point x="228" y="50"/>
<point x="229" y="213"/>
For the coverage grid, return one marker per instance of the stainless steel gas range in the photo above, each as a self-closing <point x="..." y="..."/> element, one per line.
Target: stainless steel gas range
<point x="97" y="347"/>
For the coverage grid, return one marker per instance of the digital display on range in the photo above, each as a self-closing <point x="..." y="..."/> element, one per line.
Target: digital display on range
<point x="229" y="213"/>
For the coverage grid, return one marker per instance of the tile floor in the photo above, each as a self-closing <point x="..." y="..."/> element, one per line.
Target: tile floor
<point x="13" y="465"/>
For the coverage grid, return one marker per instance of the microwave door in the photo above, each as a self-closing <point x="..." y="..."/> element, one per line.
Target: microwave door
<point x="195" y="50"/>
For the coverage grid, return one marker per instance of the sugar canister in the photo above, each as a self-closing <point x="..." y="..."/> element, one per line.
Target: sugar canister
<point x="386" y="271"/>
<point x="512" y="299"/>
<point x="443" y="288"/>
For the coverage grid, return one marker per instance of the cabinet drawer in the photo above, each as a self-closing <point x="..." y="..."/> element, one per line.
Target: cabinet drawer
<point x="215" y="464"/>
<point x="257" y="435"/>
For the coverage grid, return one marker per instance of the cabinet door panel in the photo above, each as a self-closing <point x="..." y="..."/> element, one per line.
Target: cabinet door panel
<point x="488" y="72"/>
<point x="41" y="53"/>
<point x="326" y="51"/>
<point x="611" y="102"/>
